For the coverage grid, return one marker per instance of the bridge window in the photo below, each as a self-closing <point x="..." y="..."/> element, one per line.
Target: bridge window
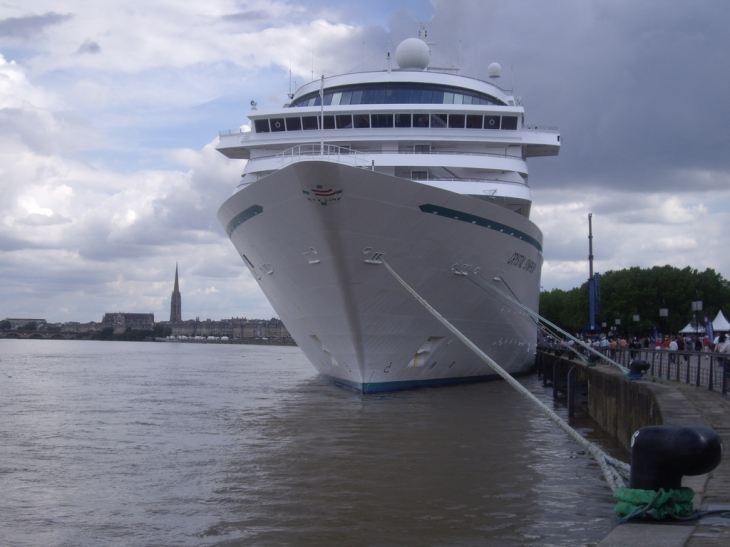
<point x="398" y="93"/>
<point x="361" y="121"/>
<point x="473" y="122"/>
<point x="420" y="120"/>
<point x="456" y="121"/>
<point x="293" y="124"/>
<point x="310" y="122"/>
<point x="344" y="121"/>
<point x="403" y="120"/>
<point x="381" y="120"/>
<point x="509" y="122"/>
<point x="491" y="122"/>
<point x="438" y="120"/>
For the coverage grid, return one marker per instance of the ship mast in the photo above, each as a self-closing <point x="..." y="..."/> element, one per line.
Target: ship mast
<point x="591" y="278"/>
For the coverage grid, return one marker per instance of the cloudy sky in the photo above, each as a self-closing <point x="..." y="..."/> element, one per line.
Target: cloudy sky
<point x="110" y="111"/>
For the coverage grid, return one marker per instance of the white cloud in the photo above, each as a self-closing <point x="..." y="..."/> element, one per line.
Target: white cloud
<point x="108" y="176"/>
<point x="80" y="240"/>
<point x="15" y="89"/>
<point x="629" y="229"/>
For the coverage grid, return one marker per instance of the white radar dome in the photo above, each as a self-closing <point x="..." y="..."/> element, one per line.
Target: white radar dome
<point x="494" y="70"/>
<point x="412" y="53"/>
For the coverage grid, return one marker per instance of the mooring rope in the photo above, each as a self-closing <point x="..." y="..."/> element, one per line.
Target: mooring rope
<point x="614" y="470"/>
<point x="472" y="275"/>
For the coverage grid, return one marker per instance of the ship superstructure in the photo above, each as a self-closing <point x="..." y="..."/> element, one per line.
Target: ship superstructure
<point x="424" y="169"/>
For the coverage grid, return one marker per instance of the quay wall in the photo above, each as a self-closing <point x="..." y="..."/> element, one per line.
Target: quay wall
<point x="622" y="406"/>
<point x="618" y="405"/>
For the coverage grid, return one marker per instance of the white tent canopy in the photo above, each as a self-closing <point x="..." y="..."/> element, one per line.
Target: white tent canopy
<point x="689" y="329"/>
<point x="720" y="324"/>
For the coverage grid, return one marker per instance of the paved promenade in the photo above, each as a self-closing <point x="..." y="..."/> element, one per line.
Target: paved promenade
<point x="681" y="404"/>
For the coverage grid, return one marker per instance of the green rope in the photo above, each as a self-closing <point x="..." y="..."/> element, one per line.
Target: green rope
<point x="652" y="504"/>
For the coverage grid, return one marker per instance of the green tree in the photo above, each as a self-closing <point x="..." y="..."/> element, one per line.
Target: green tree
<point x="107" y="333"/>
<point x="161" y="331"/>
<point x="643" y="292"/>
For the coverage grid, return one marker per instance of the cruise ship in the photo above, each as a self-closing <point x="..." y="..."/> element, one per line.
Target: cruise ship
<point x="419" y="167"/>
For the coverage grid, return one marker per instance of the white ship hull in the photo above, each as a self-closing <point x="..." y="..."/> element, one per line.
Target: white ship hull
<point x="312" y="232"/>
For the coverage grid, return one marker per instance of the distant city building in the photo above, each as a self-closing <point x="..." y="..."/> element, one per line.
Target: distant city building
<point x="20" y="323"/>
<point x="76" y="327"/>
<point x="176" y="302"/>
<point x="235" y="328"/>
<point x="123" y="321"/>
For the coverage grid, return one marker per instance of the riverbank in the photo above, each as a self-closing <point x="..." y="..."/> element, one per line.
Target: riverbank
<point x="621" y="406"/>
<point x="252" y="341"/>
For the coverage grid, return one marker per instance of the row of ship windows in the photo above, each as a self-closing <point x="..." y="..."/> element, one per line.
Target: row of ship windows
<point x="395" y="96"/>
<point x="360" y="121"/>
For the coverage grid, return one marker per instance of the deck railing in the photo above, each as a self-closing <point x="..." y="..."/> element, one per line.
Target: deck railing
<point x="326" y="152"/>
<point x="315" y="149"/>
<point x="699" y="368"/>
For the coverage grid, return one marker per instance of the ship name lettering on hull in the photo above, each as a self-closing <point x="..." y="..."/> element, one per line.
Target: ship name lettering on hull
<point x="521" y="261"/>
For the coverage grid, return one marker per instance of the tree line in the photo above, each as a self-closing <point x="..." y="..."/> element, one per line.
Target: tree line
<point x="132" y="335"/>
<point x="643" y="292"/>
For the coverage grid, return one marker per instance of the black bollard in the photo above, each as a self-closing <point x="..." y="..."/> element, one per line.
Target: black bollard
<point x="662" y="454"/>
<point x="637" y="368"/>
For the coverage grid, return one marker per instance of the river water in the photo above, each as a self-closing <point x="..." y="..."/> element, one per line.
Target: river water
<point x="162" y="444"/>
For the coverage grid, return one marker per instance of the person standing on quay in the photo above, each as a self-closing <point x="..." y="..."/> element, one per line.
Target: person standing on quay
<point x="681" y="346"/>
<point x="672" y="347"/>
<point x="723" y="346"/>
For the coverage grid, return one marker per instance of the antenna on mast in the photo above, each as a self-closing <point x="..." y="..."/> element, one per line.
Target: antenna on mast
<point x="590" y="245"/>
<point x="594" y="299"/>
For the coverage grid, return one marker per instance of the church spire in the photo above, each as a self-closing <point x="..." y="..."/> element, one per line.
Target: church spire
<point x="176" y="302"/>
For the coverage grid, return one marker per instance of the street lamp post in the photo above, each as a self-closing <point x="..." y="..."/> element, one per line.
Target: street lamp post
<point x="664" y="312"/>
<point x="697" y="308"/>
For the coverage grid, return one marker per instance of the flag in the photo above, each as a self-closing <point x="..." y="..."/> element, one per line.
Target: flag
<point x="708" y="328"/>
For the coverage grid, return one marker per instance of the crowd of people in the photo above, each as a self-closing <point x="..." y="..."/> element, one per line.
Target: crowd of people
<point x="698" y="343"/>
<point x="720" y="344"/>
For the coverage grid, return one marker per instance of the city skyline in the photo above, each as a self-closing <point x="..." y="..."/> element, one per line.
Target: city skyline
<point x="109" y="115"/>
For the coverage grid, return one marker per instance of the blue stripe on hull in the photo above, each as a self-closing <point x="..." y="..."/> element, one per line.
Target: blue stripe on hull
<point x="480" y="221"/>
<point x="381" y="387"/>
